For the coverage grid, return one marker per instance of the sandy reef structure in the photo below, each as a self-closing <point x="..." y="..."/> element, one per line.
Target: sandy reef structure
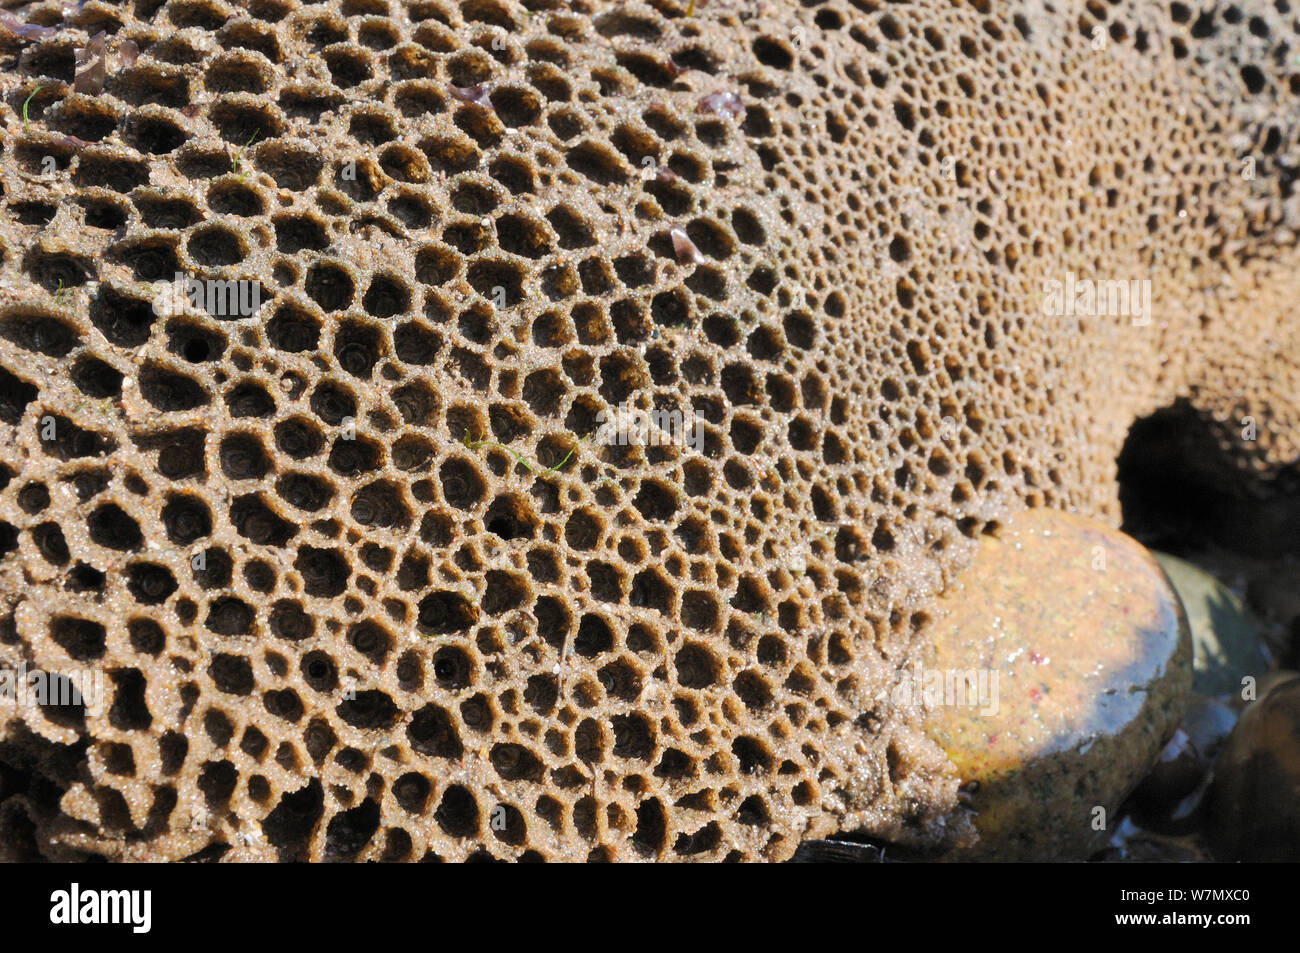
<point x="342" y="620"/>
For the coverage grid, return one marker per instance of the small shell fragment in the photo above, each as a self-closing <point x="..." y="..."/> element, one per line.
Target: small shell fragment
<point x="127" y="54"/>
<point x="683" y="247"/>
<point x="28" y="31"/>
<point x="724" y="103"/>
<point x="92" y="71"/>
<point x="471" y="94"/>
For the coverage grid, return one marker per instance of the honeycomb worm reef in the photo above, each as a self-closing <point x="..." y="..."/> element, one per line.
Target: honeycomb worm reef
<point x="287" y="514"/>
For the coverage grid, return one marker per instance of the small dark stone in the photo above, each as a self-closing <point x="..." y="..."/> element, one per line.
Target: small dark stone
<point x="1252" y="809"/>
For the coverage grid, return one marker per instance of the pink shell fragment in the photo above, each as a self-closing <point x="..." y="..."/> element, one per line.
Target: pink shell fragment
<point x="722" y="104"/>
<point x="471" y="94"/>
<point x="92" y="70"/>
<point x="127" y="54"/>
<point x="683" y="247"/>
<point x="29" y="31"/>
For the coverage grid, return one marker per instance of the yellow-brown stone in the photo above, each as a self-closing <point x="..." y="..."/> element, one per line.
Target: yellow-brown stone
<point x="1081" y="654"/>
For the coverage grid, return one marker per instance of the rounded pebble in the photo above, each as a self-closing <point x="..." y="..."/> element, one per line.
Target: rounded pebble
<point x="1225" y="640"/>
<point x="1253" y="806"/>
<point x="1084" y="655"/>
